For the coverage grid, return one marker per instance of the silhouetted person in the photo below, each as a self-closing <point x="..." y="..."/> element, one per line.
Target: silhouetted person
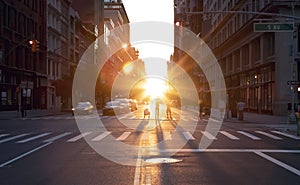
<point x="156" y="109"/>
<point x="168" y="111"/>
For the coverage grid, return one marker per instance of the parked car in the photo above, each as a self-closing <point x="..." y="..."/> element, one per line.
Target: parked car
<point x="83" y="108"/>
<point x="113" y="108"/>
<point x="129" y="104"/>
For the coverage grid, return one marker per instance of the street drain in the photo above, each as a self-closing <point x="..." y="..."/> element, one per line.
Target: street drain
<point x="162" y="160"/>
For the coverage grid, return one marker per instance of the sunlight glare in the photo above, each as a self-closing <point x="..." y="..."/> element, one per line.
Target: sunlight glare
<point x="155" y="87"/>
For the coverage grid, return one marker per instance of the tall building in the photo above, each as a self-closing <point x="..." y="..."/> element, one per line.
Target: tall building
<point x="256" y="65"/>
<point x="67" y="39"/>
<point x="193" y="22"/>
<point x="257" y="62"/>
<point x="23" y="75"/>
<point x="104" y="20"/>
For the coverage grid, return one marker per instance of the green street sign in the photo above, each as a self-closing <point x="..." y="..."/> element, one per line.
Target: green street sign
<point x="273" y="27"/>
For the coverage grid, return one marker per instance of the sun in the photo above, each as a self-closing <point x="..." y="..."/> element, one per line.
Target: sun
<point x="155" y="87"/>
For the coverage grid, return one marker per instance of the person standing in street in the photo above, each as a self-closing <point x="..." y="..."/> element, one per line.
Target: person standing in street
<point x="168" y="110"/>
<point x="156" y="109"/>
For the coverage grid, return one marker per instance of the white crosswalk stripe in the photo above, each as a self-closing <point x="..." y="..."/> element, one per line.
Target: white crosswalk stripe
<point x="123" y="136"/>
<point x="230" y="136"/>
<point x="34" y="138"/>
<point x="188" y="136"/>
<point x="251" y="136"/>
<point x="12" y="138"/>
<point x="209" y="135"/>
<point x="145" y="136"/>
<point x="286" y="135"/>
<point x="101" y="136"/>
<point x="269" y="135"/>
<point x="79" y="137"/>
<point x="57" y="137"/>
<point x="3" y="135"/>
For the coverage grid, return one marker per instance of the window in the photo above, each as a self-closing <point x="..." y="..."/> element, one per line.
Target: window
<point x="230" y="64"/>
<point x="4" y="98"/>
<point x="12" y="18"/>
<point x="269" y="45"/>
<point x="245" y="55"/>
<point x="256" y="50"/>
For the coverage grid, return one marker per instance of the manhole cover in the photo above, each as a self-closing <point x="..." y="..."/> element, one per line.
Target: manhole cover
<point x="162" y="160"/>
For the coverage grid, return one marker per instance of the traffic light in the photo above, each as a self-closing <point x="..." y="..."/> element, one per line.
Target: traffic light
<point x="35" y="45"/>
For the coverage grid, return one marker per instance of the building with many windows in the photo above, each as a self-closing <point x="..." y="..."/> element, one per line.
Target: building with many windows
<point x="256" y="65"/>
<point x="23" y="75"/>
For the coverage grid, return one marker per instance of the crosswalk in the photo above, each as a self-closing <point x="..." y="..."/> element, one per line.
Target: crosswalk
<point x="70" y="137"/>
<point x="93" y="116"/>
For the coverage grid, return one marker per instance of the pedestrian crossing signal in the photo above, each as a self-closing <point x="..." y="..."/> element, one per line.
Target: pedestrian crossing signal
<point x="35" y="45"/>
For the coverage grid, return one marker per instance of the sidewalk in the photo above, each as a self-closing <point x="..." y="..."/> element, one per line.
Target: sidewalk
<point x="6" y="115"/>
<point x="278" y="122"/>
<point x="260" y="119"/>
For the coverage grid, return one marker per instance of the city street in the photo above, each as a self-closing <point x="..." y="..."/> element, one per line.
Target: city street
<point x="52" y="150"/>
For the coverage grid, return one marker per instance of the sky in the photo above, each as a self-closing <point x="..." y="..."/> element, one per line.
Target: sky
<point x="152" y="10"/>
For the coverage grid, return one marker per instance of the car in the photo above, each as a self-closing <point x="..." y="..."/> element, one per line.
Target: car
<point x="128" y="104"/>
<point x="112" y="108"/>
<point x="83" y="108"/>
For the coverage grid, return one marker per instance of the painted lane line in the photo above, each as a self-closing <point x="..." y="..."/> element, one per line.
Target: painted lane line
<point x="23" y="155"/>
<point x="269" y="135"/>
<point x="188" y="136"/>
<point x="57" y="137"/>
<point x="79" y="137"/>
<point x="279" y="163"/>
<point x="286" y="135"/>
<point x="148" y="175"/>
<point x="14" y="137"/>
<point x="123" y="136"/>
<point x="101" y="136"/>
<point x="33" y="138"/>
<point x="2" y="135"/>
<point x="209" y="135"/>
<point x="253" y="137"/>
<point x="137" y="174"/>
<point x="230" y="136"/>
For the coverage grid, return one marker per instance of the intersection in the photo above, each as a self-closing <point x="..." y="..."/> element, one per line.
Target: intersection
<point x="237" y="154"/>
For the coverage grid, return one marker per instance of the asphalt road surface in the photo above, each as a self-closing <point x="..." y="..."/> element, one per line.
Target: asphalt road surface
<point x="55" y="150"/>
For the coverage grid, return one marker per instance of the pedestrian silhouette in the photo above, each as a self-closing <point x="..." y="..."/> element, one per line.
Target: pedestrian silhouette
<point x="168" y="110"/>
<point x="156" y="109"/>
